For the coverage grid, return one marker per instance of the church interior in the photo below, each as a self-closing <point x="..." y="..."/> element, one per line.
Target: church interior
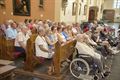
<point x="59" y="39"/>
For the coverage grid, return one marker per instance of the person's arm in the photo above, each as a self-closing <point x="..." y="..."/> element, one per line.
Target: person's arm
<point x="92" y="42"/>
<point x="60" y="38"/>
<point x="21" y="41"/>
<point x="43" y="49"/>
<point x="22" y="45"/>
<point x="98" y="40"/>
<point x="49" y="42"/>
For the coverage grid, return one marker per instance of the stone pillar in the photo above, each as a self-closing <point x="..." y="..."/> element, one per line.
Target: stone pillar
<point x="77" y="11"/>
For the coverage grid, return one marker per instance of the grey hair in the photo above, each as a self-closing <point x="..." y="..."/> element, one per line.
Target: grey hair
<point x="40" y="29"/>
<point x="22" y="26"/>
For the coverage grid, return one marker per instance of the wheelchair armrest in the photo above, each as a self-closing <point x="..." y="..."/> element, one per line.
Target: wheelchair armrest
<point x="84" y="55"/>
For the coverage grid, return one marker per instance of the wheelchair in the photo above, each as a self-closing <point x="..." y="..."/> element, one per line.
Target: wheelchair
<point x="82" y="65"/>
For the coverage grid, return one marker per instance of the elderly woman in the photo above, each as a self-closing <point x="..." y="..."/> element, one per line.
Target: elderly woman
<point x="21" y="40"/>
<point x="83" y="48"/>
<point x="50" y="39"/>
<point x="61" y="37"/>
<point x="42" y="49"/>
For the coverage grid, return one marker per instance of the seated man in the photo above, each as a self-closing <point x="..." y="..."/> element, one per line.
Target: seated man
<point x="83" y="48"/>
<point x="11" y="32"/>
<point x="21" y="40"/>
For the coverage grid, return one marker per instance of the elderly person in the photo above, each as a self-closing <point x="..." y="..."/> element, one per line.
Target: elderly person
<point x="41" y="46"/>
<point x="54" y="33"/>
<point x="83" y="48"/>
<point x="65" y="33"/>
<point x="4" y="26"/>
<point x="21" y="40"/>
<point x="118" y="40"/>
<point x="98" y="48"/>
<point x="11" y="32"/>
<point x="42" y="49"/>
<point x="50" y="39"/>
<point x="61" y="37"/>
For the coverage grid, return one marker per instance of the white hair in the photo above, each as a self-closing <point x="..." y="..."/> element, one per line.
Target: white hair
<point x="40" y="29"/>
<point x="22" y="25"/>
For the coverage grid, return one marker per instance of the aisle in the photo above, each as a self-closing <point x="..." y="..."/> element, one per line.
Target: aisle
<point x="115" y="71"/>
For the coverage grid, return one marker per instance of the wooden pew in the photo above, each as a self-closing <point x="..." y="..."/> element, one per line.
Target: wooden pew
<point x="62" y="52"/>
<point x="31" y="59"/>
<point x="7" y="48"/>
<point x="6" y="70"/>
<point x="0" y="47"/>
<point x="1" y="41"/>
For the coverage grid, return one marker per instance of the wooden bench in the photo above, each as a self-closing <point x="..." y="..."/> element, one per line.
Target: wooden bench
<point x="62" y="52"/>
<point x="6" y="70"/>
<point x="31" y="59"/>
<point x="7" y="48"/>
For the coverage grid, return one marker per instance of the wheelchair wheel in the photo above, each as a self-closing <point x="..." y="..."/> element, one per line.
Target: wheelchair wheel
<point x="79" y="68"/>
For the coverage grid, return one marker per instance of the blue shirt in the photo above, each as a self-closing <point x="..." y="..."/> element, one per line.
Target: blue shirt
<point x="11" y="33"/>
<point x="65" y="35"/>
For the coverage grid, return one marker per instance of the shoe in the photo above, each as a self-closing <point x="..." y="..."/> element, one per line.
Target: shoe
<point x="96" y="77"/>
<point x="107" y="73"/>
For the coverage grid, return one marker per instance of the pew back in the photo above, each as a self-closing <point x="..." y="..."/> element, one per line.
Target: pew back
<point x="31" y="59"/>
<point x="62" y="52"/>
<point x="7" y="48"/>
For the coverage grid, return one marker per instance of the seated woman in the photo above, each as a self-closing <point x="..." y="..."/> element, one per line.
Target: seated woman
<point x="69" y="30"/>
<point x="102" y="39"/>
<point x="50" y="39"/>
<point x="21" y="40"/>
<point x="41" y="47"/>
<point x="65" y="33"/>
<point x="83" y="48"/>
<point x="54" y="33"/>
<point x="74" y="30"/>
<point x="90" y="42"/>
<point x="61" y="37"/>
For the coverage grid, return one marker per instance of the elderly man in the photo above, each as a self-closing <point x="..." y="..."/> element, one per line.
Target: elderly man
<point x="11" y="32"/>
<point x="83" y="48"/>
